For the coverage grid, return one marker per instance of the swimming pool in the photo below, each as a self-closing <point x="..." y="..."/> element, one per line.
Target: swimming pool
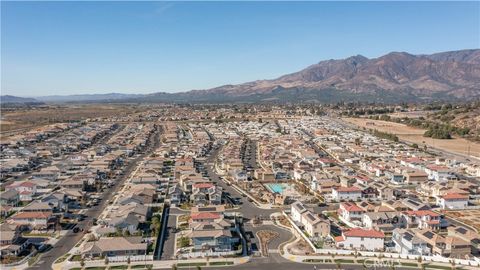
<point x="276" y="187"/>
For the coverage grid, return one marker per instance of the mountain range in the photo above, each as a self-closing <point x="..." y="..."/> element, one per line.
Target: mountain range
<point x="394" y="77"/>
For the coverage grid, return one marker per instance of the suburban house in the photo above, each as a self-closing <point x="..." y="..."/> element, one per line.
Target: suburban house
<point x="205" y="216"/>
<point x="406" y="242"/>
<point x="115" y="246"/>
<point x="11" y="241"/>
<point x="346" y="194"/>
<point x="314" y="225"/>
<point x="453" y="201"/>
<point x="384" y="221"/>
<point x="10" y="198"/>
<point x="350" y="211"/>
<point x="309" y="221"/>
<point x="423" y="219"/>
<point x="297" y="209"/>
<point x="415" y="176"/>
<point x="26" y="189"/>
<point x="361" y="239"/>
<point x="211" y="240"/>
<point x="34" y="220"/>
<point x="447" y="246"/>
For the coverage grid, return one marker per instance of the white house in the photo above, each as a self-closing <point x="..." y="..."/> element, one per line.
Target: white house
<point x="453" y="201"/>
<point x="346" y="193"/>
<point x="439" y="173"/>
<point x="361" y="239"/>
<point x="314" y="225"/>
<point x="297" y="209"/>
<point x="350" y="211"/>
<point x="26" y="189"/>
<point x="406" y="242"/>
<point x="311" y="223"/>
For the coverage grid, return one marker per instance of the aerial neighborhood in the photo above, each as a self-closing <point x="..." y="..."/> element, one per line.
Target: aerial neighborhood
<point x="177" y="185"/>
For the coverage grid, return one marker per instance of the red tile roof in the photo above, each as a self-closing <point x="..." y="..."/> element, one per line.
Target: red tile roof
<point x="203" y="185"/>
<point x="357" y="232"/>
<point x="352" y="207"/>
<point x="339" y="239"/>
<point x="205" y="215"/>
<point x="37" y="215"/>
<point x="420" y="213"/>
<point x="454" y="196"/>
<point x="348" y="189"/>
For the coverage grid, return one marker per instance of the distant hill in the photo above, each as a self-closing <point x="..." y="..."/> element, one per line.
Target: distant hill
<point x="394" y="77"/>
<point x="397" y="76"/>
<point x="89" y="97"/>
<point x="14" y="99"/>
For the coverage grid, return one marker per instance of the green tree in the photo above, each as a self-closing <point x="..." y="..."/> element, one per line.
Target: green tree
<point x="155" y="225"/>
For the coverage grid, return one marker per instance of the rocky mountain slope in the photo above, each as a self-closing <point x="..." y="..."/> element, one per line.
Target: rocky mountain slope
<point x="395" y="75"/>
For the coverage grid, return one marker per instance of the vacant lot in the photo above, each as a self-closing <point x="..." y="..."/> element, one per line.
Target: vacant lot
<point x="27" y="118"/>
<point x="415" y="135"/>
<point x="469" y="217"/>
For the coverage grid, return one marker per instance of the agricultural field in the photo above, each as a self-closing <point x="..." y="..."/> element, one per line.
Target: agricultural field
<point x="415" y="135"/>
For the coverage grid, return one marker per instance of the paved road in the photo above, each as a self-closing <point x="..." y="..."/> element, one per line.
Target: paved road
<point x="277" y="262"/>
<point x="169" y="243"/>
<point x="66" y="243"/>
<point x="249" y="209"/>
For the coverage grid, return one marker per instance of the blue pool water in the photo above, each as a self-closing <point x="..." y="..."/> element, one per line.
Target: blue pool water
<point x="276" y="187"/>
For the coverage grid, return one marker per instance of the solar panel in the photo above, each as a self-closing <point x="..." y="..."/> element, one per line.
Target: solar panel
<point x="429" y="235"/>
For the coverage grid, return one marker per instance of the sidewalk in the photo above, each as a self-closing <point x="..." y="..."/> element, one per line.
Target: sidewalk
<point x="371" y="261"/>
<point x="164" y="264"/>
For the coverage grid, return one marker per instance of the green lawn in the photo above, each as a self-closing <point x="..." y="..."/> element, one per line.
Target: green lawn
<point x="428" y="266"/>
<point x="95" y="268"/>
<point x="317" y="260"/>
<point x="140" y="266"/>
<point x="221" y="263"/>
<point x="344" y="261"/>
<point x="191" y="264"/>
<point x="119" y="267"/>
<point x="63" y="258"/>
<point x="410" y="264"/>
<point x="76" y="258"/>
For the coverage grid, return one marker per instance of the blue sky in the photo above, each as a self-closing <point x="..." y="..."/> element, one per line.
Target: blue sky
<point x="51" y="48"/>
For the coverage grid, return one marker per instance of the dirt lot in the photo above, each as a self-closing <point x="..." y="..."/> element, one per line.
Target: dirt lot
<point x="414" y="114"/>
<point x="469" y="217"/>
<point x="22" y="118"/>
<point x="415" y="135"/>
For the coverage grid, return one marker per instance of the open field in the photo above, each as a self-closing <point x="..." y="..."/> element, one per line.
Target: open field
<point x="469" y="217"/>
<point x="27" y="118"/>
<point x="412" y="114"/>
<point x="415" y="135"/>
